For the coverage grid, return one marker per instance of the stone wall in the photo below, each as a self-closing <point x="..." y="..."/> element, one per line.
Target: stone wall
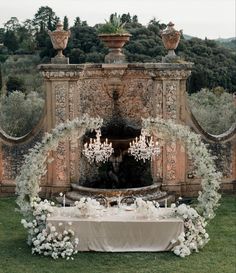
<point x="132" y="90"/>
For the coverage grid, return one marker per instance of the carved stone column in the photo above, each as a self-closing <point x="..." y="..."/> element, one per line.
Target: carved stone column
<point x="174" y="158"/>
<point x="62" y="104"/>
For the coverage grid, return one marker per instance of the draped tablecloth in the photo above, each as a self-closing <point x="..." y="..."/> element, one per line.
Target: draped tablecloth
<point x="121" y="231"/>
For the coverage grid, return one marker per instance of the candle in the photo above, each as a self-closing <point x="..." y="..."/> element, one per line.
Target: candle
<point x="119" y="199"/>
<point x="166" y="203"/>
<point x="64" y="201"/>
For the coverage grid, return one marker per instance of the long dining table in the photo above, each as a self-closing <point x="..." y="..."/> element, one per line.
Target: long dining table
<point x="120" y="230"/>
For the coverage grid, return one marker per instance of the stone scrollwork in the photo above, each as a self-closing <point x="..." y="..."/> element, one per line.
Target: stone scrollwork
<point x="171" y="161"/>
<point x="171" y="113"/>
<point x="114" y="88"/>
<point x="94" y="99"/>
<point x="171" y="95"/>
<point x="61" y="115"/>
<point x="173" y="74"/>
<point x="60" y="98"/>
<point x="61" y="161"/>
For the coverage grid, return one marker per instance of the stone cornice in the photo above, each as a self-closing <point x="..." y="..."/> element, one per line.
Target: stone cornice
<point x="143" y="70"/>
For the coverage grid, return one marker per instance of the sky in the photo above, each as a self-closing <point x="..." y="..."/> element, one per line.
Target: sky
<point x="200" y="18"/>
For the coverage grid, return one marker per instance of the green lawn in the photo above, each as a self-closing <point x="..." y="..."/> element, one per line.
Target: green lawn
<point x="219" y="256"/>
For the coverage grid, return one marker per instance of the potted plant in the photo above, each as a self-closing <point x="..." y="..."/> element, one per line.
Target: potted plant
<point x="114" y="36"/>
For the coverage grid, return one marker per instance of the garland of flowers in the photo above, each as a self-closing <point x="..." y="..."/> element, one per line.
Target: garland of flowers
<point x="48" y="241"/>
<point x="195" y="220"/>
<point x="197" y="151"/>
<point x="27" y="189"/>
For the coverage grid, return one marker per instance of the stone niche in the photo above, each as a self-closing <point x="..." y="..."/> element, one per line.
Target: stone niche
<point x="122" y="93"/>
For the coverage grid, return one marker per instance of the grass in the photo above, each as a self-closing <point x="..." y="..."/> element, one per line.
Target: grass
<point x="218" y="256"/>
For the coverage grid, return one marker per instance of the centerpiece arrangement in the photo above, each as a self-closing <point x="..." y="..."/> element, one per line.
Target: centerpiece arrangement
<point x="114" y="36"/>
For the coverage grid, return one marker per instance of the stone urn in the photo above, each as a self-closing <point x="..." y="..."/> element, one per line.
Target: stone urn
<point x="115" y="43"/>
<point x="171" y="38"/>
<point x="59" y="39"/>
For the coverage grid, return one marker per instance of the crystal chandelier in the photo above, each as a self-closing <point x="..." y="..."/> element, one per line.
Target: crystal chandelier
<point x="144" y="147"/>
<point x="96" y="150"/>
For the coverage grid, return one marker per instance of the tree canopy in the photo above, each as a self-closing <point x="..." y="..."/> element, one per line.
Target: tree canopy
<point x="214" y="61"/>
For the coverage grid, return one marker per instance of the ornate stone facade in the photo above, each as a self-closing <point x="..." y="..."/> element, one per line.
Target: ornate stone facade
<point x="131" y="91"/>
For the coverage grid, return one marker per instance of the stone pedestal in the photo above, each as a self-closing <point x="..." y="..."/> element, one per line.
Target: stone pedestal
<point x="60" y="60"/>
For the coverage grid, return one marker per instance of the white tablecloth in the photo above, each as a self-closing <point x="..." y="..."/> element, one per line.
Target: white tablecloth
<point x="121" y="231"/>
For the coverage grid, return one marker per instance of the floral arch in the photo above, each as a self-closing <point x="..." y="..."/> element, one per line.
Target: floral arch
<point x="48" y="242"/>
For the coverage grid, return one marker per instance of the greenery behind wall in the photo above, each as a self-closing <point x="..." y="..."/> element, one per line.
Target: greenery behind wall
<point x="24" y="45"/>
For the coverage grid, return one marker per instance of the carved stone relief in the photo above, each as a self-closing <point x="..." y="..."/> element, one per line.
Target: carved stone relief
<point x="61" y="115"/>
<point x="171" y="113"/>
<point x="13" y="157"/>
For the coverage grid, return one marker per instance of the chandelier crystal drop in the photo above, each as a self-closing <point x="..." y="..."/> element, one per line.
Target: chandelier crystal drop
<point x="144" y="147"/>
<point x="97" y="151"/>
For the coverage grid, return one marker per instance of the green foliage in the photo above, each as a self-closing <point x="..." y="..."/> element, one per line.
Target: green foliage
<point x="20" y="113"/>
<point x="25" y="67"/>
<point x="114" y="26"/>
<point x="214" y="61"/>
<point x="213" y="65"/>
<point x="45" y="18"/>
<point x="14" y="83"/>
<point x="65" y="23"/>
<point x="10" y="41"/>
<point x="12" y="24"/>
<point x="1" y="82"/>
<point x="214" y="109"/>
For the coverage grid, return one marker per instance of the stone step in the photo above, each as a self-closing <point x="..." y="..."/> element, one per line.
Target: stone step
<point x="160" y="197"/>
<point x="109" y="193"/>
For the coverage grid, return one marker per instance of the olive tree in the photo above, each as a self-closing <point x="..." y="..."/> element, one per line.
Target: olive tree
<point x="19" y="113"/>
<point x="214" y="109"/>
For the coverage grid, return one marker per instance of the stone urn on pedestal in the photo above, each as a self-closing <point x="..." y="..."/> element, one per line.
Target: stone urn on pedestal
<point x="170" y="39"/>
<point x="114" y="36"/>
<point x="115" y="43"/>
<point x="59" y="39"/>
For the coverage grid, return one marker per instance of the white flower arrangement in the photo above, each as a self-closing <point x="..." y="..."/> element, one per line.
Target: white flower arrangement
<point x="87" y="207"/>
<point x="45" y="241"/>
<point x="48" y="241"/>
<point x="195" y="236"/>
<point x="146" y="208"/>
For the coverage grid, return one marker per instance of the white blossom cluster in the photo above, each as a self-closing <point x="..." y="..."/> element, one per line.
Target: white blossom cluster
<point x="146" y="208"/>
<point x="34" y="167"/>
<point x="49" y="241"/>
<point x="28" y="187"/>
<point x="87" y="207"/>
<point x="44" y="238"/>
<point x="202" y="160"/>
<point x="194" y="236"/>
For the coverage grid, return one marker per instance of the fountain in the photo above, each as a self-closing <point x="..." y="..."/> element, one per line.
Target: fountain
<point x="122" y="94"/>
<point x="121" y="176"/>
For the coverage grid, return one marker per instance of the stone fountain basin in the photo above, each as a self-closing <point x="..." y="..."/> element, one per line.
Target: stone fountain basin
<point x="79" y="191"/>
